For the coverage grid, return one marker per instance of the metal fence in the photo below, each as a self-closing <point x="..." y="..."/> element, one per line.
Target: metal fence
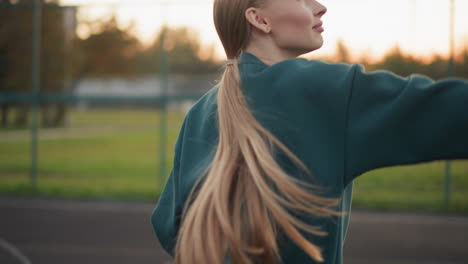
<point x="36" y="95"/>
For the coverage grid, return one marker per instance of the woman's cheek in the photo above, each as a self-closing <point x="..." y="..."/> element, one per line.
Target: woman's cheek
<point x="303" y="18"/>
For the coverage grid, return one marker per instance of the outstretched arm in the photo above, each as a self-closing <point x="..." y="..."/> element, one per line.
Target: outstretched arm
<point x="394" y="121"/>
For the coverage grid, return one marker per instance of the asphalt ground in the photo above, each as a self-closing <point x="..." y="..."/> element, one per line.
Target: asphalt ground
<point x="58" y="231"/>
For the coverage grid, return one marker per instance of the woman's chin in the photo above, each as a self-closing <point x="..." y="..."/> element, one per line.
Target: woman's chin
<point x="315" y="47"/>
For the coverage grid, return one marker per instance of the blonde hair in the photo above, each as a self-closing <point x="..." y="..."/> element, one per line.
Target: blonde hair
<point x="244" y="199"/>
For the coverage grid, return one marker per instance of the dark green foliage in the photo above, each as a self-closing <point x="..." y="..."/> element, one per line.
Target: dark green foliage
<point x="16" y="42"/>
<point x="395" y="60"/>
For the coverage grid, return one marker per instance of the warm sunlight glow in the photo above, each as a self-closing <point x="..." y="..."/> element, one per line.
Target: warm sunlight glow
<point x="367" y="27"/>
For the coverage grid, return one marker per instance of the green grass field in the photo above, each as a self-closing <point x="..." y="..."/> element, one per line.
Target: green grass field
<point x="105" y="154"/>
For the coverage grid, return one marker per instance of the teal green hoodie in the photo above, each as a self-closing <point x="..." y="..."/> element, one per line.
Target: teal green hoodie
<point x="339" y="120"/>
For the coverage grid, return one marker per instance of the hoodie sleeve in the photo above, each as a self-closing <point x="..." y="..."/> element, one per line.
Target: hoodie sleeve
<point x="166" y="216"/>
<point x="396" y="121"/>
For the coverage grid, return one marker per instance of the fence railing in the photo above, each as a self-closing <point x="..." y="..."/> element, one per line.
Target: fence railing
<point x="35" y="97"/>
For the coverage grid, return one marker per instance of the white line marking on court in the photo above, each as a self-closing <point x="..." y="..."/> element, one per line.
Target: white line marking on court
<point x="14" y="251"/>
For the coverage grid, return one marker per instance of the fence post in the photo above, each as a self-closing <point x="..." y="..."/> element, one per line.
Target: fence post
<point x="36" y="79"/>
<point x="451" y="73"/>
<point x="164" y="93"/>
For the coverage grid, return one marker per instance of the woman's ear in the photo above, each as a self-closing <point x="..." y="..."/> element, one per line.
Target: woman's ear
<point x="255" y="18"/>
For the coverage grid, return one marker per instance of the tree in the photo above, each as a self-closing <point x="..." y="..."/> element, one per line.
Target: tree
<point x="108" y="50"/>
<point x="461" y="67"/>
<point x="16" y="53"/>
<point x="183" y="48"/>
<point x="342" y="52"/>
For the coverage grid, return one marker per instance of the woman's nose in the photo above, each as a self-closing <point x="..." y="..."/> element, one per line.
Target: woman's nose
<point x="320" y="9"/>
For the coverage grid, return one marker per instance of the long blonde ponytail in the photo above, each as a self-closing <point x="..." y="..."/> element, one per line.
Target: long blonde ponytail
<point x="245" y="198"/>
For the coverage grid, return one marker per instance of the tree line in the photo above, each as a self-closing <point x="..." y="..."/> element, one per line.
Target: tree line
<point x="395" y="60"/>
<point x="66" y="59"/>
<point x="112" y="51"/>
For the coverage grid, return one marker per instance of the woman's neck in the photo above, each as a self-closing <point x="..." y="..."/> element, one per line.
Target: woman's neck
<point x="268" y="52"/>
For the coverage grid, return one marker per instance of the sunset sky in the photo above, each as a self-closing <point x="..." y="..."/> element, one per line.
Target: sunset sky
<point x="368" y="27"/>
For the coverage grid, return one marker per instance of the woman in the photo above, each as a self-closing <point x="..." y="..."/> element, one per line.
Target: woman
<point x="265" y="161"/>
